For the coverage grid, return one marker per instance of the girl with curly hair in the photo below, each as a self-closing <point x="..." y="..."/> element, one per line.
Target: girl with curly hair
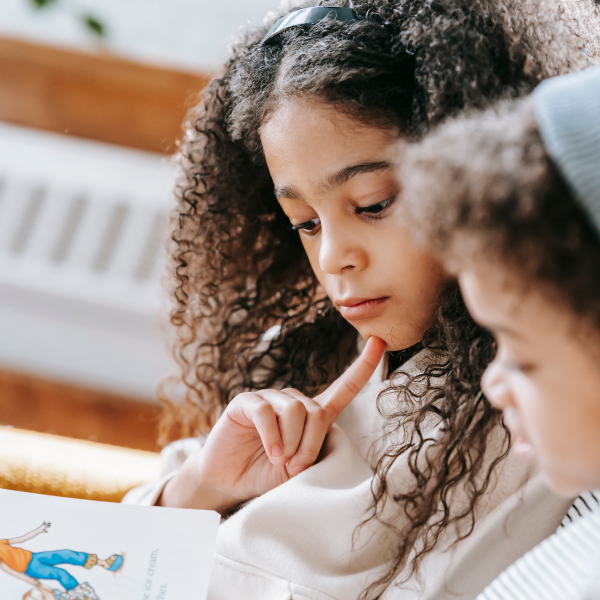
<point x="286" y="241"/>
<point x="520" y="227"/>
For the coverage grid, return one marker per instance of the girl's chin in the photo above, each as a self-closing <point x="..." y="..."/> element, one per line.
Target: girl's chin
<point x="392" y="342"/>
<point x="566" y="483"/>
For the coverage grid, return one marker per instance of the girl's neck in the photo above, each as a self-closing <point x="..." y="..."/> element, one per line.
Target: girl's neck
<point x="397" y="358"/>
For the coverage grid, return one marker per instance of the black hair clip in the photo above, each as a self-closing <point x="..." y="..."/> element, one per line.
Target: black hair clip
<point x="305" y="17"/>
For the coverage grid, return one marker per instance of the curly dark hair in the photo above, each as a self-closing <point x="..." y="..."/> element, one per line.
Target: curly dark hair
<point x="236" y="271"/>
<point x="510" y="206"/>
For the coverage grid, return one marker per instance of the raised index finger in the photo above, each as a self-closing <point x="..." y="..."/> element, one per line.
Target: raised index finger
<point x="346" y="387"/>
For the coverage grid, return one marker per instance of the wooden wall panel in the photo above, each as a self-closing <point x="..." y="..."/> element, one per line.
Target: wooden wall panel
<point x="94" y="96"/>
<point x="36" y="404"/>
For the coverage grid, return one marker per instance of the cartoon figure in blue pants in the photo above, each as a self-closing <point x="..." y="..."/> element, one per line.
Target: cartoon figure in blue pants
<point x="32" y="567"/>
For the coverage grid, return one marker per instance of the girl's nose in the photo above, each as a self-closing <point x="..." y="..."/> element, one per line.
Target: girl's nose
<point x="495" y="388"/>
<point x="340" y="251"/>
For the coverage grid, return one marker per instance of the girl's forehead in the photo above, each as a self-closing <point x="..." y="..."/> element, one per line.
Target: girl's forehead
<point x="523" y="312"/>
<point x="309" y="144"/>
<point x="311" y="118"/>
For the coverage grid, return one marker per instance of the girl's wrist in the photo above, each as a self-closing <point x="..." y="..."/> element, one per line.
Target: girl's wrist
<point x="187" y="490"/>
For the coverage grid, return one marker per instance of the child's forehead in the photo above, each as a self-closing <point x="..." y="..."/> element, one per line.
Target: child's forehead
<point x="488" y="291"/>
<point x="528" y="312"/>
<point x="496" y="298"/>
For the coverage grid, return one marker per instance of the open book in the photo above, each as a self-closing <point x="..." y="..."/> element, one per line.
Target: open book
<point x="63" y="549"/>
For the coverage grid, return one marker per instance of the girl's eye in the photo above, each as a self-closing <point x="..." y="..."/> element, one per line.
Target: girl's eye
<point x="307" y="226"/>
<point x="375" y="210"/>
<point x="511" y="365"/>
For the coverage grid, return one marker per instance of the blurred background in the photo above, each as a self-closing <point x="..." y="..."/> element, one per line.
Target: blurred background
<point x="92" y="97"/>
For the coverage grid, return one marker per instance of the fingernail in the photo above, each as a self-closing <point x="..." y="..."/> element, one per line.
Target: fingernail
<point x="296" y="470"/>
<point x="276" y="451"/>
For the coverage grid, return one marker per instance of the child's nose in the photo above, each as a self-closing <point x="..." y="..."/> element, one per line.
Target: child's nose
<point x="495" y="388"/>
<point x="340" y="252"/>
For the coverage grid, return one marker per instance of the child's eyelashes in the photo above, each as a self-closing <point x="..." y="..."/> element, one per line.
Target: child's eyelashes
<point x="308" y="226"/>
<point x="375" y="211"/>
<point x="508" y="360"/>
<point x="516" y="366"/>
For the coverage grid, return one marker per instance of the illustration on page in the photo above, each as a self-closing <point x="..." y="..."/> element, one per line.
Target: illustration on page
<point x="86" y="550"/>
<point x="40" y="568"/>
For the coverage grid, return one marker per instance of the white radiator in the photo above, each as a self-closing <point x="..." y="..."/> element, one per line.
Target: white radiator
<point x="81" y="254"/>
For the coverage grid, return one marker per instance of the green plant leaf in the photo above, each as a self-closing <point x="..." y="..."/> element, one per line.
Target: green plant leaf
<point x="42" y="3"/>
<point x="93" y="25"/>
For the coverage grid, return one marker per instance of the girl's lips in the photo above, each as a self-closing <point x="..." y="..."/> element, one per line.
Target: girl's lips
<point x="520" y="444"/>
<point x="522" y="448"/>
<point x="363" y="309"/>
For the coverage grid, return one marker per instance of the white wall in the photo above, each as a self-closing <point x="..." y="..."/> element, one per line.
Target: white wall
<point x="62" y="319"/>
<point x="63" y="315"/>
<point x="192" y="34"/>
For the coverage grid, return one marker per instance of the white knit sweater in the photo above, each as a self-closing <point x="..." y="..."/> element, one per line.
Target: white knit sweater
<point x="300" y="541"/>
<point x="566" y="566"/>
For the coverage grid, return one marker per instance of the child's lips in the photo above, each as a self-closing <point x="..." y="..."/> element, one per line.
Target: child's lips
<point x="522" y="447"/>
<point x="358" y="308"/>
<point x="519" y="442"/>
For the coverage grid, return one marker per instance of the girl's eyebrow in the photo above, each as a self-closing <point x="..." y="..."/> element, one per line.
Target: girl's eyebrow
<point x="344" y="175"/>
<point x="336" y="179"/>
<point x="287" y="191"/>
<point x="503" y="329"/>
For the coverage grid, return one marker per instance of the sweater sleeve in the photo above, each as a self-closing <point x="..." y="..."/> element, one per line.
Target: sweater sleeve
<point x="172" y="458"/>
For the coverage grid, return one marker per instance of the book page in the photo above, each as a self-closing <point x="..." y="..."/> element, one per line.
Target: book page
<point x="83" y="550"/>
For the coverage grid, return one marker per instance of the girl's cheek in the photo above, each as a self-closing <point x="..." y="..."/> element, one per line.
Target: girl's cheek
<point x="311" y="247"/>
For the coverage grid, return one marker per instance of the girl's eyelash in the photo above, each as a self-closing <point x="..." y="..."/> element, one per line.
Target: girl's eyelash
<point x="511" y="365"/>
<point x="375" y="210"/>
<point x="307" y="226"/>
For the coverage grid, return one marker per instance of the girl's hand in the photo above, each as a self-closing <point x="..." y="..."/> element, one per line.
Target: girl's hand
<point x="43" y="528"/>
<point x="265" y="438"/>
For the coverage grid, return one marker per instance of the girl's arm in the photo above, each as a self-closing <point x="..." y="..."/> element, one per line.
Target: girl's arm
<point x="29" y="580"/>
<point x="43" y="528"/>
